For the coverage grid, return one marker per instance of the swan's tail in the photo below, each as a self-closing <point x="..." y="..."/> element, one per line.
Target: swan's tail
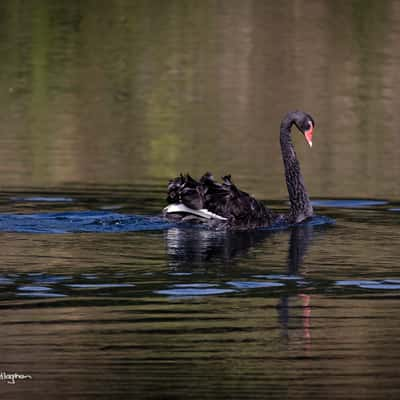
<point x="188" y="197"/>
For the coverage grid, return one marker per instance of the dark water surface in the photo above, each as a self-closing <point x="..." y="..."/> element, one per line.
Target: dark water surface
<point x="174" y="312"/>
<point x="101" y="103"/>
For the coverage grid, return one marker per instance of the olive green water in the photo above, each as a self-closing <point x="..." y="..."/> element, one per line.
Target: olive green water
<point x="101" y="103"/>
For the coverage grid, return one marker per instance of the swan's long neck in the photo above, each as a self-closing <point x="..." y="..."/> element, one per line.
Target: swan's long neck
<point x="300" y="205"/>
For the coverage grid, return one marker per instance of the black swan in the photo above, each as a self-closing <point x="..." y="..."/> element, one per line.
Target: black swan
<point x="224" y="205"/>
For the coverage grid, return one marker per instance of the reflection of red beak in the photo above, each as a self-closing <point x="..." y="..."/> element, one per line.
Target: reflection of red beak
<point x="308" y="135"/>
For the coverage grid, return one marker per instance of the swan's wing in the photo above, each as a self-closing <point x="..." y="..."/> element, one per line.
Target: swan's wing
<point x="244" y="209"/>
<point x="210" y="199"/>
<point x="185" y="190"/>
<point x="216" y="195"/>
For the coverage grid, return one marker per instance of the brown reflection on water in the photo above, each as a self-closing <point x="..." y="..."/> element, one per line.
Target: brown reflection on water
<point x="135" y="91"/>
<point x="210" y="349"/>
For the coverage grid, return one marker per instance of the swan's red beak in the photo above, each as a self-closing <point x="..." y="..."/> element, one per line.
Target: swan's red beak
<point x="308" y="134"/>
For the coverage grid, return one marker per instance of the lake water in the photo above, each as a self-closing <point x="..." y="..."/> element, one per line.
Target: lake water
<point x="101" y="103"/>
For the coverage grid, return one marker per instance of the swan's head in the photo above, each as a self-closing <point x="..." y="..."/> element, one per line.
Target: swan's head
<point x="305" y="123"/>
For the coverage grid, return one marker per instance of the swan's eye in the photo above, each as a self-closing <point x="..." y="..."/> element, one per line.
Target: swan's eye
<point x="308" y="125"/>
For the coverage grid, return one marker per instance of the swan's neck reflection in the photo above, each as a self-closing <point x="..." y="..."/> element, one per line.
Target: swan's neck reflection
<point x="300" y="239"/>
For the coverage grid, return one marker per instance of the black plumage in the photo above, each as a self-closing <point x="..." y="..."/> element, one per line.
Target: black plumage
<point x="241" y="210"/>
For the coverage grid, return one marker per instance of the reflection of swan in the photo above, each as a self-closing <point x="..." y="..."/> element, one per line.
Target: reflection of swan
<point x="225" y="205"/>
<point x="195" y="247"/>
<point x="189" y="248"/>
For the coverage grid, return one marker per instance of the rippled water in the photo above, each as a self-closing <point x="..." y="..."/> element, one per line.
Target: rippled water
<point x="155" y="310"/>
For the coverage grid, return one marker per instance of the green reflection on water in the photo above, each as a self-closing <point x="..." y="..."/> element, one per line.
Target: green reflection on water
<point x="133" y="91"/>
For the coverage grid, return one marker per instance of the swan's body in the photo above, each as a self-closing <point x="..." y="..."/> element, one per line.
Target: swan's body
<point x="225" y="205"/>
